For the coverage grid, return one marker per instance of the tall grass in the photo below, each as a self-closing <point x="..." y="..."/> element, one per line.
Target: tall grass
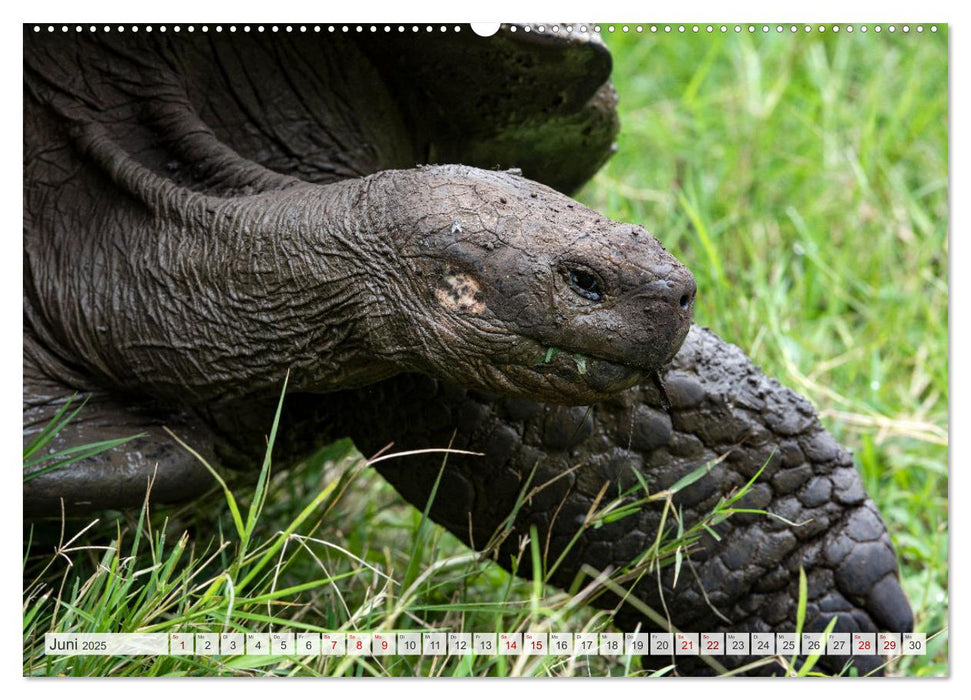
<point x="804" y="181"/>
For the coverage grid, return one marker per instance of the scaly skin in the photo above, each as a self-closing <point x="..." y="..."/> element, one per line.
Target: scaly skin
<point x="720" y="405"/>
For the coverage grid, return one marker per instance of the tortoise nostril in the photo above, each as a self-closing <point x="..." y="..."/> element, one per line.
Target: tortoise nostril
<point x="688" y="290"/>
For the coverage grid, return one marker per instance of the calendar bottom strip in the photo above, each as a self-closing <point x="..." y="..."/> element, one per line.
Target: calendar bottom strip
<point x="485" y="643"/>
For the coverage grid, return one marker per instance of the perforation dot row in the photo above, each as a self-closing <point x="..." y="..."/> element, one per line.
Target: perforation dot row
<point x="568" y="28"/>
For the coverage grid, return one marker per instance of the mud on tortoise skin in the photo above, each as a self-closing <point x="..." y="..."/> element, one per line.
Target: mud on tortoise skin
<point x="204" y="213"/>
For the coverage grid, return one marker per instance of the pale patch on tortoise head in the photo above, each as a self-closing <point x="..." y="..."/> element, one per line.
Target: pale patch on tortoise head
<point x="460" y="292"/>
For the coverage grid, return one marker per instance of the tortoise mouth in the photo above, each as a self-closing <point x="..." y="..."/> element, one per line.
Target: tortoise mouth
<point x="577" y="372"/>
<point x="561" y="375"/>
<point x="600" y="374"/>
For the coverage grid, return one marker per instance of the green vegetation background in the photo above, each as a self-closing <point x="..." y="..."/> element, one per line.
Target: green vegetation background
<point x="803" y="178"/>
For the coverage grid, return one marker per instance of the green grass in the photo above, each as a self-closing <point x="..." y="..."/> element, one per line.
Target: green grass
<point x="803" y="179"/>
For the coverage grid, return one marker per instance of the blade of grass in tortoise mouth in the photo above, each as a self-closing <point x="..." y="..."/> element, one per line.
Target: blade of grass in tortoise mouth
<point x="578" y="357"/>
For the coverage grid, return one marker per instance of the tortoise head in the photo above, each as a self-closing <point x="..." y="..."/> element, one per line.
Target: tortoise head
<point x="519" y="290"/>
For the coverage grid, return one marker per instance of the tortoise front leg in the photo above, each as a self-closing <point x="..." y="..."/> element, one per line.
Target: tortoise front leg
<point x="721" y="405"/>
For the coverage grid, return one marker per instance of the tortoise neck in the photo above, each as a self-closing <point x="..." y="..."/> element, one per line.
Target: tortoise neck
<point x="191" y="298"/>
<point x="249" y="288"/>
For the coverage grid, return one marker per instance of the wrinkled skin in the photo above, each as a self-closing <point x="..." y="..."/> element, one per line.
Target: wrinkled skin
<point x="199" y="247"/>
<point x="472" y="282"/>
<point x="210" y="289"/>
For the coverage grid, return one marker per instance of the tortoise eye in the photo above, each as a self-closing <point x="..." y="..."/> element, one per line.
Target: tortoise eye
<point x="585" y="283"/>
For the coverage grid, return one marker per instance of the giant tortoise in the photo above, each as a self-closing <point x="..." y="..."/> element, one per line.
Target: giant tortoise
<point x="205" y="213"/>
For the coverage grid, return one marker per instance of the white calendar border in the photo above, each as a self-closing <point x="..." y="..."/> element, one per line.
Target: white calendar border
<point x="627" y="10"/>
